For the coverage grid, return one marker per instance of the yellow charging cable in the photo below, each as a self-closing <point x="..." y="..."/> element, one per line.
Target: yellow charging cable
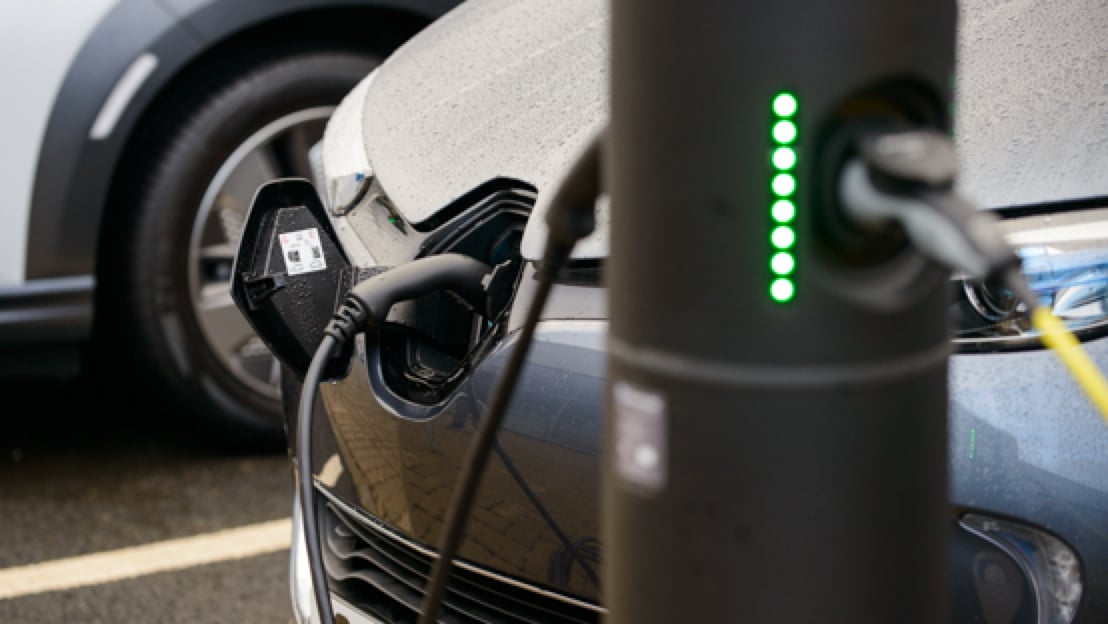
<point x="1065" y="345"/>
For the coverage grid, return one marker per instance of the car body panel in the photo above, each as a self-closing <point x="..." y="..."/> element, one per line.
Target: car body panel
<point x="74" y="170"/>
<point x="28" y="114"/>
<point x="400" y="471"/>
<point x="1025" y="443"/>
<point x="1030" y="116"/>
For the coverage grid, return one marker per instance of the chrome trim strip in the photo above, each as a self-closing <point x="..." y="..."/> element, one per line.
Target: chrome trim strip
<point x="301" y="593"/>
<point x="300" y="581"/>
<point x="376" y="525"/>
<point x="352" y="615"/>
<point x="121" y="95"/>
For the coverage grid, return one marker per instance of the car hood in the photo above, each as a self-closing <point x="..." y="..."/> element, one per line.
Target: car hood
<point x="514" y="88"/>
<point x="493" y="89"/>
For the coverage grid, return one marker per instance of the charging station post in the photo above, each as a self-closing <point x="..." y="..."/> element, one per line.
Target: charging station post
<point x="776" y="444"/>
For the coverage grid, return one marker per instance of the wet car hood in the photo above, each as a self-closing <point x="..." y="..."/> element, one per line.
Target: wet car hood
<point x="460" y="103"/>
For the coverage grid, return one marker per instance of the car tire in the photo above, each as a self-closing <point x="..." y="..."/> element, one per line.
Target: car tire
<point x="207" y="153"/>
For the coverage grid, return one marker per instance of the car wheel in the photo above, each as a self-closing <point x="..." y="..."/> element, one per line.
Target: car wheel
<point x="208" y="157"/>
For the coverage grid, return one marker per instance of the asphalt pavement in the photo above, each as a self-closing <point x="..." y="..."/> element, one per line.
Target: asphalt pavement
<point x="107" y="518"/>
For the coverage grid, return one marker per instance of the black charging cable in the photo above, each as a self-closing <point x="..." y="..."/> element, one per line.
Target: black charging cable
<point x="570" y="217"/>
<point x="304" y="477"/>
<point x="365" y="308"/>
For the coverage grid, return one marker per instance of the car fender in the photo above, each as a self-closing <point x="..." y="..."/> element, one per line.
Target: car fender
<point x="89" y="125"/>
<point x="38" y="43"/>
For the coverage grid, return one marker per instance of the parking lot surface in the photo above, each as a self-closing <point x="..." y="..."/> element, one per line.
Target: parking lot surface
<point x="108" y="518"/>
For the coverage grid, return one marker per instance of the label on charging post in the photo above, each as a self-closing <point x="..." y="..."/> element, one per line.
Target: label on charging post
<point x="302" y="251"/>
<point x="640" y="437"/>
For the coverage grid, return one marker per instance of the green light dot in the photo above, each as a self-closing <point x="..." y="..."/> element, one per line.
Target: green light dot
<point x="782" y="237"/>
<point x="784" y="184"/>
<point x="784" y="132"/>
<point x="783" y="210"/>
<point x="784" y="105"/>
<point x="784" y="158"/>
<point x="782" y="263"/>
<point x="782" y="290"/>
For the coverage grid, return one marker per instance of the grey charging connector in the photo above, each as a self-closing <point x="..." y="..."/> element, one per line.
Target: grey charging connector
<point x="908" y="177"/>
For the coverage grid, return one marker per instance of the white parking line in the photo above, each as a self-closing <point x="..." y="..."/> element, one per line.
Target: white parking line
<point x="175" y="554"/>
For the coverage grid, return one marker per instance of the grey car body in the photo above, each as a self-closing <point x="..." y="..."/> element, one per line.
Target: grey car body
<point x="466" y="127"/>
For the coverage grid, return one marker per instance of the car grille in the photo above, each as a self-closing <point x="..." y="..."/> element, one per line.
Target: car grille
<point x="387" y="576"/>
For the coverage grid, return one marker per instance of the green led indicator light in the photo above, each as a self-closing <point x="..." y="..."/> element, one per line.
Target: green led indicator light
<point x="784" y="132"/>
<point x="782" y="263"/>
<point x="782" y="237"/>
<point x="784" y="158"/>
<point x="782" y="290"/>
<point x="972" y="442"/>
<point x="784" y="211"/>
<point x="784" y="184"/>
<point x="785" y="105"/>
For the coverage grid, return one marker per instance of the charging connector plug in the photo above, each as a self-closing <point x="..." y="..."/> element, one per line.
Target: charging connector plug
<point x="908" y="177"/>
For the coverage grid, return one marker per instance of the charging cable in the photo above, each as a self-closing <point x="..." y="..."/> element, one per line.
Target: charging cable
<point x="1060" y="340"/>
<point x="908" y="177"/>
<point x="364" y="309"/>
<point x="571" y="217"/>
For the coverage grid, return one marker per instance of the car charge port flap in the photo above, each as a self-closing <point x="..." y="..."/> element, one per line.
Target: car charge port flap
<point x="289" y="273"/>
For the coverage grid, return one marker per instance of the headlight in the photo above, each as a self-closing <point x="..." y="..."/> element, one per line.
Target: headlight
<point x="346" y="191"/>
<point x="340" y="169"/>
<point x="1065" y="259"/>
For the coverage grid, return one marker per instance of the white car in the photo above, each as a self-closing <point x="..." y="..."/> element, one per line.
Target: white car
<point x="135" y="133"/>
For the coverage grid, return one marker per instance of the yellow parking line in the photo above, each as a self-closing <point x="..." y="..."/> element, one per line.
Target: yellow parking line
<point x="175" y="554"/>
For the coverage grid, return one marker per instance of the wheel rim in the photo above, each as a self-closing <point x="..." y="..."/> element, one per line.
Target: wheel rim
<point x="278" y="150"/>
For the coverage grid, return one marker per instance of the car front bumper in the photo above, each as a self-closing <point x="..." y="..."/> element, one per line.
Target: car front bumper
<point x="301" y="590"/>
